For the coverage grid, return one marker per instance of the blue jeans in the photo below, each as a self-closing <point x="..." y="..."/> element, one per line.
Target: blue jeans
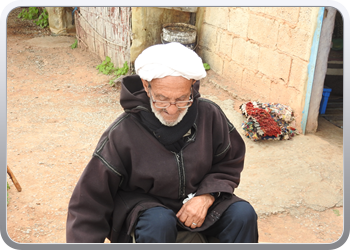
<point x="238" y="224"/>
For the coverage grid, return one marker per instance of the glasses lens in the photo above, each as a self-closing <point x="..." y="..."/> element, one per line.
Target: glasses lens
<point x="164" y="104"/>
<point x="183" y="104"/>
<point x="161" y="104"/>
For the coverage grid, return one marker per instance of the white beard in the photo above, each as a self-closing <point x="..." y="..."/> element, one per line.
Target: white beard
<point x="164" y="122"/>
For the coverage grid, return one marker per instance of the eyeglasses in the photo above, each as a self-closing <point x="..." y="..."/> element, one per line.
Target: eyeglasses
<point x="166" y="104"/>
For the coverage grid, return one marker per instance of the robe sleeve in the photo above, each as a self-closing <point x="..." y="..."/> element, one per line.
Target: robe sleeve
<point x="228" y="158"/>
<point x="91" y="205"/>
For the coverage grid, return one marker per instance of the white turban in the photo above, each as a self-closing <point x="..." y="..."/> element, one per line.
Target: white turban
<point x="171" y="59"/>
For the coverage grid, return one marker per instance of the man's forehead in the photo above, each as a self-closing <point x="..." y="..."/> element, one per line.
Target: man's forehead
<point x="171" y="87"/>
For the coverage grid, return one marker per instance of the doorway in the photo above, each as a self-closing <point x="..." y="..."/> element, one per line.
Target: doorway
<point x="334" y="76"/>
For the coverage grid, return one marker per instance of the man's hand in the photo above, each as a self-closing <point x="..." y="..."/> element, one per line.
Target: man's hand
<point x="195" y="210"/>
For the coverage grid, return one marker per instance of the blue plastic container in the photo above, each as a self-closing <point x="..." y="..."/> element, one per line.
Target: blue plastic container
<point x="326" y="93"/>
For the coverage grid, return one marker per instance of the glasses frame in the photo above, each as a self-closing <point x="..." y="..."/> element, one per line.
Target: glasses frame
<point x="189" y="102"/>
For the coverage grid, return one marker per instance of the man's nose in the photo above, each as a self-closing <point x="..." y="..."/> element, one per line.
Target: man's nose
<point x="172" y="109"/>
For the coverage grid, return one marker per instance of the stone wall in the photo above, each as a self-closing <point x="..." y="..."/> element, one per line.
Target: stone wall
<point x="263" y="52"/>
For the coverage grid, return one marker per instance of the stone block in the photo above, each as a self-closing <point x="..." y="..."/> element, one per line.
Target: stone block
<point x="274" y="65"/>
<point x="238" y="50"/>
<point x="215" y="61"/>
<point x="308" y="18"/>
<point x="258" y="9"/>
<point x="257" y="84"/>
<point x="238" y="22"/>
<point x="296" y="42"/>
<point x="251" y="56"/>
<point x="296" y="98"/>
<point x="225" y="43"/>
<point x="298" y="75"/>
<point x="249" y="80"/>
<point x="288" y="14"/>
<point x="245" y="53"/>
<point x="296" y="102"/>
<point x="233" y="72"/>
<point x="263" y="30"/>
<point x="217" y="16"/>
<point x="279" y="93"/>
<point x="208" y="36"/>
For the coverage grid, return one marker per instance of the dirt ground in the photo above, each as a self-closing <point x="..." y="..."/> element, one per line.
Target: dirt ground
<point x="57" y="108"/>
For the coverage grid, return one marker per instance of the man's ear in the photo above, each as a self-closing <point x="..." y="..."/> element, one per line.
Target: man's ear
<point x="145" y="85"/>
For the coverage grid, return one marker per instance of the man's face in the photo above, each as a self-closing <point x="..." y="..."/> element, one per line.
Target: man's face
<point x="169" y="89"/>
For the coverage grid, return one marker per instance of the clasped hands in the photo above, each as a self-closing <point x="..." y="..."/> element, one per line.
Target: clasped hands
<point x="192" y="214"/>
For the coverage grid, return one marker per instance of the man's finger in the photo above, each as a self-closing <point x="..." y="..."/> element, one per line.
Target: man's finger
<point x="180" y="212"/>
<point x="194" y="225"/>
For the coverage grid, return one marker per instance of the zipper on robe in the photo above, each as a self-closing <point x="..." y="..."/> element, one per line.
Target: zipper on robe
<point x="181" y="165"/>
<point x="181" y="168"/>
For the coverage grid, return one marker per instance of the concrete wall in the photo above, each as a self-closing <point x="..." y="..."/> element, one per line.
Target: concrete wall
<point x="263" y="52"/>
<point x="147" y="25"/>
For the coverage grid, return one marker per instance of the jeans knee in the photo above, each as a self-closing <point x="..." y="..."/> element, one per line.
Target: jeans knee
<point x="156" y="224"/>
<point x="242" y="212"/>
<point x="158" y="218"/>
<point x="237" y="224"/>
<point x="163" y="217"/>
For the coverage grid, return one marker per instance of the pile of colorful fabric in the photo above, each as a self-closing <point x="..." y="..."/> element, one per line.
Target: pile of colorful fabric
<point x="268" y="121"/>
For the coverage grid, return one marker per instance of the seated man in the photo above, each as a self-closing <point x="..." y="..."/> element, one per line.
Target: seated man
<point x="170" y="162"/>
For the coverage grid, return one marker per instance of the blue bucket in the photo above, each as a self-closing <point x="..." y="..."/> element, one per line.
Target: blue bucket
<point x="325" y="95"/>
